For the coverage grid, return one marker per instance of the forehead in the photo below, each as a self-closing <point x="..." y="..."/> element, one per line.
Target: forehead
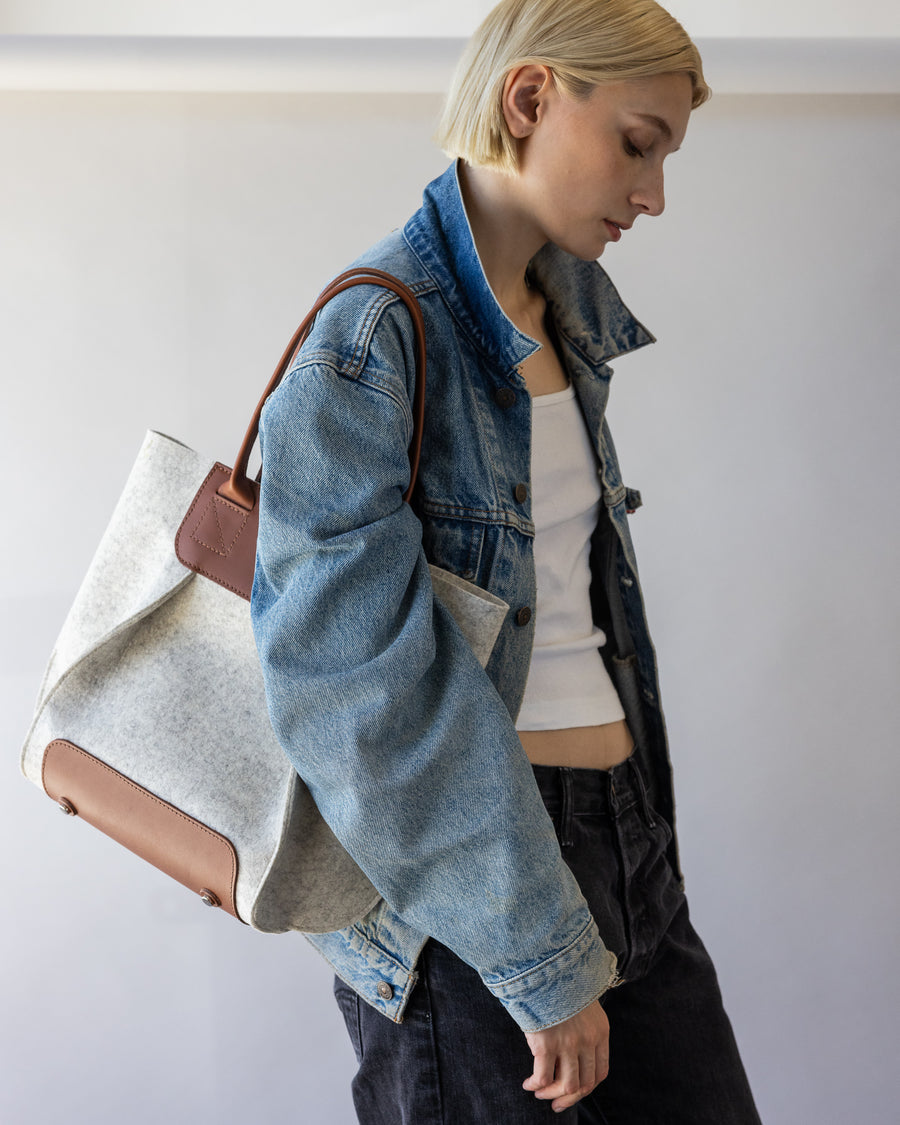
<point x="661" y="102"/>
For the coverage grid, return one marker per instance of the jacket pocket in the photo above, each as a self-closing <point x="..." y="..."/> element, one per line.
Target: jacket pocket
<point x="453" y="544"/>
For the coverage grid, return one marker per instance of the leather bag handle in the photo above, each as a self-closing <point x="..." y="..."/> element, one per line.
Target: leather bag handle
<point x="238" y="488"/>
<point x="217" y="537"/>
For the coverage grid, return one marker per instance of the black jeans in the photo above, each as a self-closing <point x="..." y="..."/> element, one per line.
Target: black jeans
<point x="459" y="1059"/>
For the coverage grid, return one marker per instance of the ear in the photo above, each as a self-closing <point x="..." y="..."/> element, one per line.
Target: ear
<point x="524" y="91"/>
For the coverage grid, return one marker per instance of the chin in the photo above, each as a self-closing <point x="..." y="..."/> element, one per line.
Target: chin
<point x="586" y="253"/>
<point x="588" y="250"/>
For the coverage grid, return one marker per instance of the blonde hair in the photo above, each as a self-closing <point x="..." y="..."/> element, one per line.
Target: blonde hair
<point x="585" y="43"/>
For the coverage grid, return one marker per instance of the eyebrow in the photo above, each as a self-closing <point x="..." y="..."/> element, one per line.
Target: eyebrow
<point x="660" y="123"/>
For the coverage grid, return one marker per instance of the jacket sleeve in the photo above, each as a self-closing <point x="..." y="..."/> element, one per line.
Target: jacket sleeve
<point x="382" y="707"/>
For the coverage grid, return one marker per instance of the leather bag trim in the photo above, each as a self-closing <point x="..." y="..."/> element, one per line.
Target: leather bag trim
<point x="217" y="538"/>
<point x="198" y="857"/>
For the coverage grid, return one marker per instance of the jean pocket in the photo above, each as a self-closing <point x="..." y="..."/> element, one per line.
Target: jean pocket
<point x="452" y="543"/>
<point x="659" y="824"/>
<point x="348" y="1002"/>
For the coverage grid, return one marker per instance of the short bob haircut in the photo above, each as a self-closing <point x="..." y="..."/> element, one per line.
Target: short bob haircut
<point x="585" y="43"/>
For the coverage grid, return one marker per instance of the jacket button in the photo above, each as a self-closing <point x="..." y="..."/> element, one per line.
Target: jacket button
<point x="384" y="990"/>
<point x="505" y="397"/>
<point x="633" y="500"/>
<point x="523" y="616"/>
<point x="521" y="493"/>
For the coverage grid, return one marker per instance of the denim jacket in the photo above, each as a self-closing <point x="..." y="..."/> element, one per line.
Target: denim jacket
<point x="407" y="744"/>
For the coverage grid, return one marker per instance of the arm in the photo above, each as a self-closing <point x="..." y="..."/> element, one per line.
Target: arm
<point x="383" y="708"/>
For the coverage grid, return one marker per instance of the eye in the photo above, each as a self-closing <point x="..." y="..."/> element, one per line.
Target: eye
<point x="631" y="148"/>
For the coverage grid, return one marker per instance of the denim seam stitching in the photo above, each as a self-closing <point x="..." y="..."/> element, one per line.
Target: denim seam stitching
<point x="378" y="948"/>
<point x="371" y="317"/>
<point x="493" y="516"/>
<point x="543" y="964"/>
<point x="382" y="386"/>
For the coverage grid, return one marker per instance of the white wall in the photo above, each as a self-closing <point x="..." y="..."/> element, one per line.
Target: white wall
<point x="417" y="17"/>
<point x="156" y="252"/>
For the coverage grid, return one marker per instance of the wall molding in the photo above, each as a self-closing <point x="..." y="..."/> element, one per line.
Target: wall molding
<point x="377" y="65"/>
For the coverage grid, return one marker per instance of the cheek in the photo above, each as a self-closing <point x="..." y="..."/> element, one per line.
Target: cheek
<point x="595" y="178"/>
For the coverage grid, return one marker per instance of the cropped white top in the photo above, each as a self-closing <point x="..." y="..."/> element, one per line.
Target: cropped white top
<point x="568" y="685"/>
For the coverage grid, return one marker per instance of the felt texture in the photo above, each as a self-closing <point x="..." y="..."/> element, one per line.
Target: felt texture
<point x="156" y="673"/>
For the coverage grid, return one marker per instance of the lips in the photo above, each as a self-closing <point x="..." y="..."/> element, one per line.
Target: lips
<point x="615" y="231"/>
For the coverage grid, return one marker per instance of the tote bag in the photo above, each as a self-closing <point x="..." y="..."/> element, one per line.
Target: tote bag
<point x="151" y="722"/>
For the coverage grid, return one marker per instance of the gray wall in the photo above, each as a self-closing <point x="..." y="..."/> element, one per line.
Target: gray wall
<point x="157" y="251"/>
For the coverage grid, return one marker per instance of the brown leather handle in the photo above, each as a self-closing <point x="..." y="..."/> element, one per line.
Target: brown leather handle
<point x="238" y="488"/>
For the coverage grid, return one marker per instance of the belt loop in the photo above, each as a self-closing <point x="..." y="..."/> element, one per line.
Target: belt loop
<point x="566" y="835"/>
<point x="645" y="803"/>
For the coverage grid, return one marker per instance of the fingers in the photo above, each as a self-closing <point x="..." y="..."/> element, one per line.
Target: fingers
<point x="601" y="1063"/>
<point x="569" y="1059"/>
<point x="573" y="1079"/>
<point x="574" y="1082"/>
<point x="592" y="1070"/>
<point x="544" y="1070"/>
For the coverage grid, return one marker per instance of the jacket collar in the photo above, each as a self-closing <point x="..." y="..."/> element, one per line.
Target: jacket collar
<point x="585" y="306"/>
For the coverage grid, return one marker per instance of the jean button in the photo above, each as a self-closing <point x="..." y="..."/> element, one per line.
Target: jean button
<point x="384" y="990"/>
<point x="523" y="616"/>
<point x="521" y="493"/>
<point x="505" y="397"/>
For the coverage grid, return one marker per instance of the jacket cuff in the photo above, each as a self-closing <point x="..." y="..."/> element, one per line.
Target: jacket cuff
<point x="561" y="986"/>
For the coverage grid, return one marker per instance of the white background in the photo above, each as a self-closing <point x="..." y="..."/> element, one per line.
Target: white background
<point x="417" y="17"/>
<point x="158" y="249"/>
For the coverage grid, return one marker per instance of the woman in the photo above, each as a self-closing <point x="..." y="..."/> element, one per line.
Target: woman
<point x="471" y="991"/>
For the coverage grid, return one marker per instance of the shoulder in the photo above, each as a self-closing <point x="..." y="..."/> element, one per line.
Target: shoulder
<point x="369" y="323"/>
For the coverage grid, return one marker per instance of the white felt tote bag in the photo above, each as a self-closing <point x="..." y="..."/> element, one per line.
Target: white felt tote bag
<point x="151" y="722"/>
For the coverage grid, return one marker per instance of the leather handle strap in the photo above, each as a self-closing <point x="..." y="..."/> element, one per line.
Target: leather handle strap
<point x="238" y="488"/>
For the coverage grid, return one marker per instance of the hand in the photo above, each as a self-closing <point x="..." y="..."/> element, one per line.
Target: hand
<point x="570" y="1059"/>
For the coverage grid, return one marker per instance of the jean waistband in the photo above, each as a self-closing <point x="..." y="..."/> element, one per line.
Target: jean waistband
<point x="570" y="791"/>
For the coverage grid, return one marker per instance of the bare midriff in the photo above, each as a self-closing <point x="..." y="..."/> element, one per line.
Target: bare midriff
<point x="591" y="748"/>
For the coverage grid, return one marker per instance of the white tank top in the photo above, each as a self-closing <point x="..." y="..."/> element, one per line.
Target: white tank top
<point x="568" y="685"/>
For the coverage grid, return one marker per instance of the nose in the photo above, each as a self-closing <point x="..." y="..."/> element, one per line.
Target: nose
<point x="648" y="196"/>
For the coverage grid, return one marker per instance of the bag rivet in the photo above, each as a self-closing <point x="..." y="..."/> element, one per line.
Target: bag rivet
<point x="210" y="898"/>
<point x="67" y="807"/>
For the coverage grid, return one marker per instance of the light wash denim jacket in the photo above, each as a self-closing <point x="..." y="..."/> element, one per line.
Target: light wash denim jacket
<point x="406" y="743"/>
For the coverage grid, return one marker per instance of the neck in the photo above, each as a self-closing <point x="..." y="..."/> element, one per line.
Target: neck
<point x="505" y="236"/>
